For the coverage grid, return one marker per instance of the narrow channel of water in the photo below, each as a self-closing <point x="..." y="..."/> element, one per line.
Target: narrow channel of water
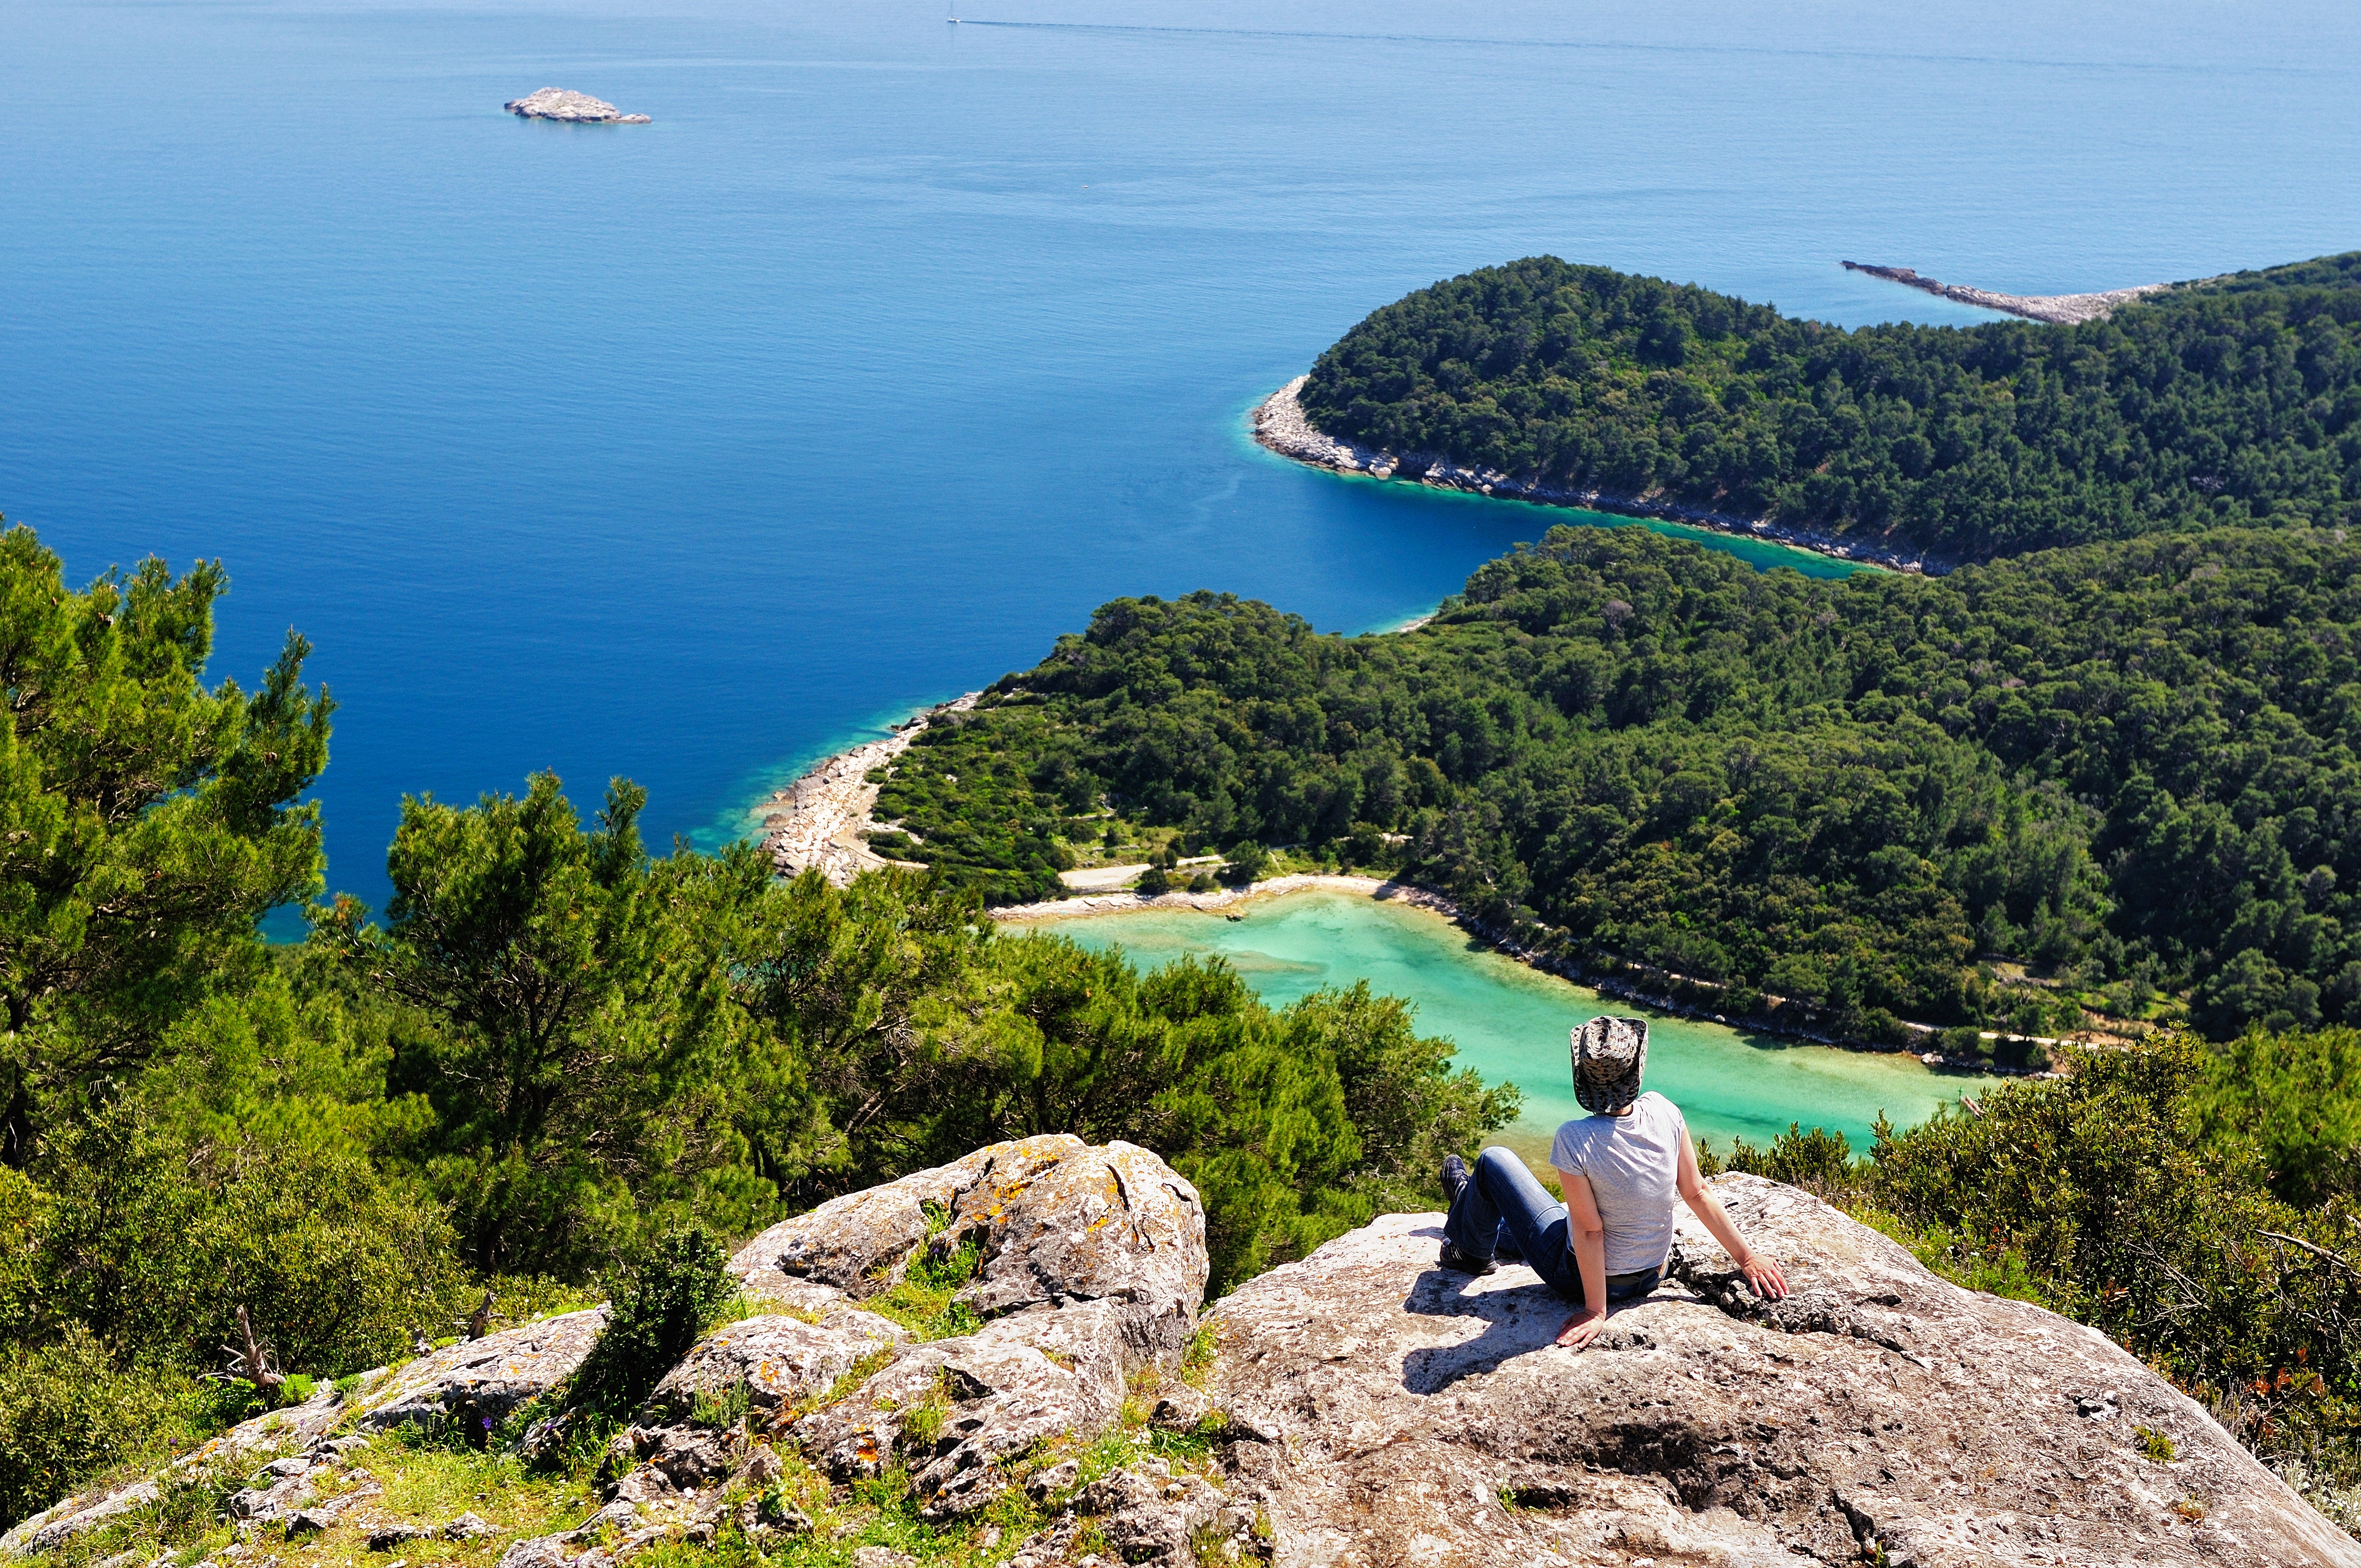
<point x="1510" y="1021"/>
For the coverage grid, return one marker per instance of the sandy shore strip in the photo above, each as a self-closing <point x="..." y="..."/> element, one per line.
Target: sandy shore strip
<point x="1416" y="897"/>
<point x="1223" y="898"/>
<point x="816" y="823"/>
<point x="1280" y="424"/>
<point x="2058" y="310"/>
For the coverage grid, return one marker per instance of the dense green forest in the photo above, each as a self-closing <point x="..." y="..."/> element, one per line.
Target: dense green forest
<point x="2128" y="766"/>
<point x="555" y="1065"/>
<point x="553" y="1051"/>
<point x="2236" y="400"/>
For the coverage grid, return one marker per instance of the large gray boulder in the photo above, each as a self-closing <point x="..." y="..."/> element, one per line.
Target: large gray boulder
<point x="484" y="1380"/>
<point x="1391" y="1411"/>
<point x="1061" y="1224"/>
<point x="1091" y="1266"/>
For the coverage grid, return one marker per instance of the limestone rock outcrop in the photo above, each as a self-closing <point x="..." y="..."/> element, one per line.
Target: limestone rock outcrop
<point x="575" y="108"/>
<point x="1090" y="1266"/>
<point x="476" y="1382"/>
<point x="1362" y="1407"/>
<point x="1391" y="1411"/>
<point x="1110" y="1231"/>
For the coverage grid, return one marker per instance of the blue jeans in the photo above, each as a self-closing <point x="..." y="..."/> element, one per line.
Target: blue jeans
<point x="1505" y="1210"/>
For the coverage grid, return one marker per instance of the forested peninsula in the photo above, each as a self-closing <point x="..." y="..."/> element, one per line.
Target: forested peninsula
<point x="2106" y="776"/>
<point x="2233" y="401"/>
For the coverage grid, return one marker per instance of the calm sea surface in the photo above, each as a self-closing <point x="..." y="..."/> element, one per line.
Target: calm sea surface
<point x="1510" y="1021"/>
<point x="694" y="450"/>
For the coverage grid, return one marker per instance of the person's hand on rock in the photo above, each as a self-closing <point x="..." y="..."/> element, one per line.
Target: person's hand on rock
<point x="1764" y="1276"/>
<point x="1582" y="1328"/>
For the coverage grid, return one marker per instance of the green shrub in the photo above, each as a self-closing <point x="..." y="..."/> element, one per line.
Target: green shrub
<point x="2105" y="1193"/>
<point x="66" y="1413"/>
<point x="154" y="1247"/>
<point x="663" y="1308"/>
<point x="1819" y="1161"/>
<point x="1249" y="862"/>
<point x="1155" y="879"/>
<point x="924" y="1300"/>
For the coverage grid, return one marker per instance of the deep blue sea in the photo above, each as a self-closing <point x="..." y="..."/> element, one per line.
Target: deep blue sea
<point x="692" y="450"/>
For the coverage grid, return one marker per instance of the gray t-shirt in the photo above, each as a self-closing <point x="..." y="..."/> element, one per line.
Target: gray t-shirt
<point x="1633" y="1164"/>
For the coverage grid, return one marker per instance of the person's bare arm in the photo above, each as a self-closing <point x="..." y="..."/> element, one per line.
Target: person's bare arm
<point x="1760" y="1273"/>
<point x="1589" y="1257"/>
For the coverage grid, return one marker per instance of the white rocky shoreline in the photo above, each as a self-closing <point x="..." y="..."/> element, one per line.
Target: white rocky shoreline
<point x="1281" y="425"/>
<point x="816" y="823"/>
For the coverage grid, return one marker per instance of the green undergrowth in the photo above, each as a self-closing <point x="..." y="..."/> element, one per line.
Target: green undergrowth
<point x="925" y="1300"/>
<point x="429" y="1479"/>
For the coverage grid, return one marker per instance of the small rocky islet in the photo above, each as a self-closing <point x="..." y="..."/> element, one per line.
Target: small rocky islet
<point x="574" y="108"/>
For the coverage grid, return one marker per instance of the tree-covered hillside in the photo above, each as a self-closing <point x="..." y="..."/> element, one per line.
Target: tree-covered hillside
<point x="2132" y="765"/>
<point x="555" y="1061"/>
<point x="2237" y="400"/>
<point x="553" y="1051"/>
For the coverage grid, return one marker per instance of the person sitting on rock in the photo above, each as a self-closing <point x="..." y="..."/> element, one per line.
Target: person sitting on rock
<point x="1619" y="1168"/>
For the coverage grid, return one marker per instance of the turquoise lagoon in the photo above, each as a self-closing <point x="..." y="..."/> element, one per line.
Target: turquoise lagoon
<point x="1510" y="1022"/>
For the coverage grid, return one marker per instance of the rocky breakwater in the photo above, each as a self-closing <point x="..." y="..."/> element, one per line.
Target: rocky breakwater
<point x="817" y="822"/>
<point x="2058" y="310"/>
<point x="572" y="108"/>
<point x="1281" y="425"/>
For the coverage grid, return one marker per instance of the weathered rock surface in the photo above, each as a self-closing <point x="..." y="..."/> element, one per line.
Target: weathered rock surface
<point x="1090" y="1266"/>
<point x="1395" y="1412"/>
<point x="576" y="108"/>
<point x="779" y="1360"/>
<point x="1363" y="1406"/>
<point x="1092" y="1262"/>
<point x="484" y="1380"/>
<point x="1059" y="1223"/>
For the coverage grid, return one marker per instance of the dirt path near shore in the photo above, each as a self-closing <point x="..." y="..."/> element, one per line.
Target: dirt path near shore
<point x="1223" y="898"/>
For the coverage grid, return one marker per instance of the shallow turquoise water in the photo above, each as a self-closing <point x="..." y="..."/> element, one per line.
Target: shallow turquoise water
<point x="691" y="450"/>
<point x="1510" y="1022"/>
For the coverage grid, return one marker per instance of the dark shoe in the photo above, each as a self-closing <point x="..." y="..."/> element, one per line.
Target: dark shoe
<point x="1460" y="1262"/>
<point x="1454" y="1178"/>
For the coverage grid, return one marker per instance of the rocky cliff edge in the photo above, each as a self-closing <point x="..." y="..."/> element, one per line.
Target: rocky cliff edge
<point x="1360" y="1407"/>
